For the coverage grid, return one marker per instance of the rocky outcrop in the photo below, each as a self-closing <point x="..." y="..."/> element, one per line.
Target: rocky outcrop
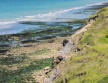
<point x="57" y="60"/>
<point x="4" y="47"/>
<point x="93" y="18"/>
<point x="65" y="42"/>
<point x="68" y="46"/>
<point x="47" y="70"/>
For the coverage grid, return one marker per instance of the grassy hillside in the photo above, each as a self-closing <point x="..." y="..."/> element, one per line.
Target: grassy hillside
<point x="90" y="64"/>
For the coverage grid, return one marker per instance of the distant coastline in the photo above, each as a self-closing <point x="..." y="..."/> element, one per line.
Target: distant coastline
<point x="73" y="50"/>
<point x="64" y="15"/>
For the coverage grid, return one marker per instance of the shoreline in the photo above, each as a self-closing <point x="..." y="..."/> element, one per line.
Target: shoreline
<point x="18" y="25"/>
<point x="58" y="72"/>
<point x="65" y="10"/>
<point x="73" y="50"/>
<point x="22" y="58"/>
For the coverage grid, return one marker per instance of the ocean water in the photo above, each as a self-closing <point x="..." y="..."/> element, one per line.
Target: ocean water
<point x="14" y="11"/>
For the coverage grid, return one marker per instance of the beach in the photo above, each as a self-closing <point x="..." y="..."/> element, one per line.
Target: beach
<point x="28" y="48"/>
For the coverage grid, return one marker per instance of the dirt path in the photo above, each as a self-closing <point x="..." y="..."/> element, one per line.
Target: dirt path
<point x="56" y="71"/>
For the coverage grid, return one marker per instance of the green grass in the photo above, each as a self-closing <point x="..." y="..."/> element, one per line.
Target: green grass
<point x="94" y="59"/>
<point x="88" y="40"/>
<point x="23" y="73"/>
<point x="104" y="80"/>
<point x="10" y="60"/>
<point x="41" y="52"/>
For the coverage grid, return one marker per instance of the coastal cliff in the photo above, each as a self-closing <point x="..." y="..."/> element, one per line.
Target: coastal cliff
<point x="86" y="58"/>
<point x="78" y="58"/>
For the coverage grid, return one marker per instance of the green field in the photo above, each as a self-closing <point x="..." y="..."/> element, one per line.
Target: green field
<point x="90" y="65"/>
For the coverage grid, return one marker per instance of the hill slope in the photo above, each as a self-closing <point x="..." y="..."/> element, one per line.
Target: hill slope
<point x="88" y="62"/>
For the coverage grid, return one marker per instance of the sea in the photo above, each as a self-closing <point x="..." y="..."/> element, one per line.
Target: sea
<point x="14" y="12"/>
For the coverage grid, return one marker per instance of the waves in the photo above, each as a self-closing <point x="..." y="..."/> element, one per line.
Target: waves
<point x="53" y="16"/>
